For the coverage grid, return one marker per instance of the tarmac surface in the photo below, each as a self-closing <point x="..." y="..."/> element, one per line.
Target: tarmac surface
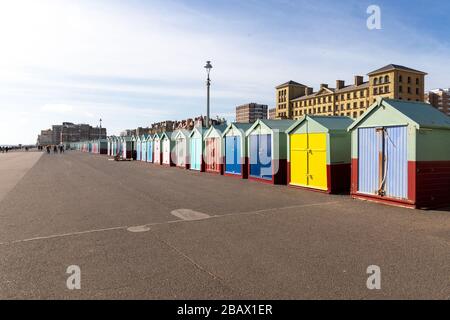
<point x="143" y="231"/>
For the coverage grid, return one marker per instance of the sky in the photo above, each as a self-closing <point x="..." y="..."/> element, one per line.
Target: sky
<point x="135" y="62"/>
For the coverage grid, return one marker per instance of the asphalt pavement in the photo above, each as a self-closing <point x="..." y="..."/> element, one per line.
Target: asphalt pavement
<point x="143" y="231"/>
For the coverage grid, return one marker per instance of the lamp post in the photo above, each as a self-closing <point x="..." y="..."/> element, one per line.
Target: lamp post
<point x="208" y="68"/>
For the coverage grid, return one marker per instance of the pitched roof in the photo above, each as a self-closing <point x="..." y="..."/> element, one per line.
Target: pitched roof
<point x="290" y="83"/>
<point x="240" y="126"/>
<point x="353" y="87"/>
<point x="390" y="67"/>
<point x="281" y="125"/>
<point x="184" y="132"/>
<point x="331" y="123"/>
<point x="312" y="95"/>
<point x="200" y="130"/>
<point x="422" y="114"/>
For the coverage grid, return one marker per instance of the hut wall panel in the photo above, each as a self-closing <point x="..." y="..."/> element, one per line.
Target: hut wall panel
<point x="433" y="183"/>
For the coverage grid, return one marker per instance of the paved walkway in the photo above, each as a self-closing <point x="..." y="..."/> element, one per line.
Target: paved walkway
<point x="13" y="167"/>
<point x="139" y="230"/>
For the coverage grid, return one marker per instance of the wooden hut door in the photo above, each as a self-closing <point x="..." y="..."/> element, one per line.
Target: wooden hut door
<point x="317" y="160"/>
<point x="299" y="159"/>
<point x="396" y="162"/>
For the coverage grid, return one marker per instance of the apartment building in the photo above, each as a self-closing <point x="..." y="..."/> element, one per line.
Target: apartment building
<point x="272" y="114"/>
<point x="293" y="100"/>
<point x="250" y="112"/>
<point x="440" y="99"/>
<point x="69" y="132"/>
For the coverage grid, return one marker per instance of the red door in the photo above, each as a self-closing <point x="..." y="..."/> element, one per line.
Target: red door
<point x="212" y="155"/>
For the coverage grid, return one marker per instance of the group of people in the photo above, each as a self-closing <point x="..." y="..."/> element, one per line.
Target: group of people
<point x="56" y="149"/>
<point x="4" y="149"/>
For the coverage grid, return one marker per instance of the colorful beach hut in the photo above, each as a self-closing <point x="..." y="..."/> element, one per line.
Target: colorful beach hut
<point x="143" y="148"/>
<point x="181" y="149"/>
<point x="235" y="153"/>
<point x="103" y="146"/>
<point x="196" y="149"/>
<point x="167" y="145"/>
<point x="214" y="149"/>
<point x="149" y="144"/>
<point x="401" y="154"/>
<point x="138" y="146"/>
<point x="127" y="147"/>
<point x="267" y="149"/>
<point x="157" y="149"/>
<point x="319" y="154"/>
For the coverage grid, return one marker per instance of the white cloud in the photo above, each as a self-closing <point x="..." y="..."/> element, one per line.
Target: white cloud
<point x="70" y="61"/>
<point x="58" y="108"/>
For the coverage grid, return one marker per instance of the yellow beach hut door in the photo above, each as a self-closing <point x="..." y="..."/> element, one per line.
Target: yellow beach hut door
<point x="309" y="160"/>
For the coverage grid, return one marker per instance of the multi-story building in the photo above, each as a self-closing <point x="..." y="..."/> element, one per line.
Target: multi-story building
<point x="272" y="114"/>
<point x="69" y="132"/>
<point x="440" y="99"/>
<point x="392" y="81"/>
<point x="56" y="129"/>
<point x="45" y="138"/>
<point x="250" y="112"/>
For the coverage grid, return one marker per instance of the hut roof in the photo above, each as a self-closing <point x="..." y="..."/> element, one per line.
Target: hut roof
<point x="423" y="115"/>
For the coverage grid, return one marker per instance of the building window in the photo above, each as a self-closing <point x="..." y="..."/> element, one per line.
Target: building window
<point x="409" y="89"/>
<point x="361" y="94"/>
<point x="400" y="79"/>
<point x="386" y="89"/>
<point x="417" y="91"/>
<point x="355" y="114"/>
<point x="417" y="81"/>
<point x="386" y="79"/>
<point x="348" y="106"/>
<point x="409" y="79"/>
<point x="375" y="91"/>
<point x="400" y="89"/>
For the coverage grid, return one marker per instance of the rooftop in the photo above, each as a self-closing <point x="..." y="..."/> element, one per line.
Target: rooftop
<point x="390" y="67"/>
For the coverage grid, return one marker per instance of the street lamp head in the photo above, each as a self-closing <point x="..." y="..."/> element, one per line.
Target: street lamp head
<point x="208" y="65"/>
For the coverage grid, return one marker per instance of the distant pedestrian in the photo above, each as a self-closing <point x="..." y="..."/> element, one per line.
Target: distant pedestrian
<point x="55" y="149"/>
<point x="48" y="149"/>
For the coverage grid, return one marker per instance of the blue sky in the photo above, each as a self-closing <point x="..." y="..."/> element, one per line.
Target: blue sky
<point x="134" y="62"/>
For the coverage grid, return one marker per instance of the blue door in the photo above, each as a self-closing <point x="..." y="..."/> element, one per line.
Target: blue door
<point x="255" y="167"/>
<point x="265" y="156"/>
<point x="150" y="151"/>
<point x="261" y="156"/>
<point x="396" y="162"/>
<point x="196" y="153"/>
<point x="383" y="161"/>
<point x="369" y="147"/>
<point x="138" y="151"/>
<point x="233" y="155"/>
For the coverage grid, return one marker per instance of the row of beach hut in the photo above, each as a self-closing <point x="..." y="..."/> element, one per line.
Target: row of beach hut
<point x="398" y="153"/>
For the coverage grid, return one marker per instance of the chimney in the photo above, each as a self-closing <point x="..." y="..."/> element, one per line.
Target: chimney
<point x="309" y="91"/>
<point x="323" y="85"/>
<point x="359" y="80"/>
<point x="340" y="84"/>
